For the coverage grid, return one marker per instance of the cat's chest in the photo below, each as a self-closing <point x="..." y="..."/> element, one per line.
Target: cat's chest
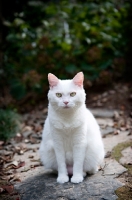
<point x="67" y="124"/>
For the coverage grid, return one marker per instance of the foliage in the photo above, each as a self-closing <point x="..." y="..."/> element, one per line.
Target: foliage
<point x="9" y="124"/>
<point x="63" y="38"/>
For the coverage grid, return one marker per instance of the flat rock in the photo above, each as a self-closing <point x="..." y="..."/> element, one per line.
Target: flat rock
<point x="127" y="156"/>
<point x="45" y="187"/>
<point x="107" y="130"/>
<point x="112" y="167"/>
<point x="103" y="113"/>
<point x="111" y="141"/>
<point x="105" y="122"/>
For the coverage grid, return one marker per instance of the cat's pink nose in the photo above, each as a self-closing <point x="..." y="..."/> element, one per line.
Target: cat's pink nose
<point x="66" y="102"/>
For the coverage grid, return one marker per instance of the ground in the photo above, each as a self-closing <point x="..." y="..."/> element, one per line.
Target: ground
<point x="23" y="177"/>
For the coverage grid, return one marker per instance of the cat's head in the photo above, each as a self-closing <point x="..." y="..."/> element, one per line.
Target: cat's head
<point x="66" y="94"/>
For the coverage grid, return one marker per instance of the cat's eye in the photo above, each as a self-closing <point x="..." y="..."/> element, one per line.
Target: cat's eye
<point x="72" y="94"/>
<point x="59" y="95"/>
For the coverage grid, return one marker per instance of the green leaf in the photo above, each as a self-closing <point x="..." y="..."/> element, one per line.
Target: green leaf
<point x="71" y="68"/>
<point x="17" y="89"/>
<point x="106" y="64"/>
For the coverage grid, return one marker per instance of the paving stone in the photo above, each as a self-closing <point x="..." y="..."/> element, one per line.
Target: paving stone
<point x="112" y="167"/>
<point x="103" y="113"/>
<point x="107" y="130"/>
<point x="112" y="140"/>
<point x="45" y="187"/>
<point x="104" y="122"/>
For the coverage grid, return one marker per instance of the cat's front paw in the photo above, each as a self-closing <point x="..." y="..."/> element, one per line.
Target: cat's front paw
<point x="62" y="179"/>
<point x="77" y="179"/>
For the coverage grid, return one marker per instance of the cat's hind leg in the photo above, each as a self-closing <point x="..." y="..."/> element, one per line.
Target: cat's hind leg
<point x="47" y="155"/>
<point x="91" y="164"/>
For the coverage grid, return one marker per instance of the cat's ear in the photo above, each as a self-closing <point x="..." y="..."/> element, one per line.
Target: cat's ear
<point x="78" y="79"/>
<point x="53" y="80"/>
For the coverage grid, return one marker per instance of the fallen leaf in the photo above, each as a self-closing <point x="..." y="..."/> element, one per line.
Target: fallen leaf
<point x="1" y="189"/>
<point x="12" y="166"/>
<point x="25" y="169"/>
<point x="15" y="163"/>
<point x="8" y="188"/>
<point x="116" y="132"/>
<point x="31" y="156"/>
<point x="26" y="128"/>
<point x="1" y="143"/>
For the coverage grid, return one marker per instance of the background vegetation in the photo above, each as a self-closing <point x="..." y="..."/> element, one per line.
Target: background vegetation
<point x="9" y="124"/>
<point x="62" y="37"/>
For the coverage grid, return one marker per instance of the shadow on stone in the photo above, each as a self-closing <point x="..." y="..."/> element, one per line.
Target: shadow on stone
<point x="45" y="187"/>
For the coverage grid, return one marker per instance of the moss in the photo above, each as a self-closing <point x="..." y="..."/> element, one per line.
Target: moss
<point x="116" y="152"/>
<point x="125" y="192"/>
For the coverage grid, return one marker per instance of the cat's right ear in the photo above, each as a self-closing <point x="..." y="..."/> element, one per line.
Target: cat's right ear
<point x="53" y="80"/>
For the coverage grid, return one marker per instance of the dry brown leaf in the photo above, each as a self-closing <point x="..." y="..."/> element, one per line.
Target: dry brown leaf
<point x="1" y="143"/>
<point x="1" y="190"/>
<point x="12" y="166"/>
<point x="8" y="188"/>
<point x="116" y="132"/>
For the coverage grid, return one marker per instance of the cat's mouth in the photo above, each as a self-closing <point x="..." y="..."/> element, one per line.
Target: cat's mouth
<point x="66" y="107"/>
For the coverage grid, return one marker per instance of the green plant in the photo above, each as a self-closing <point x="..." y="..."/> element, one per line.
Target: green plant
<point x="9" y="124"/>
<point x="63" y="38"/>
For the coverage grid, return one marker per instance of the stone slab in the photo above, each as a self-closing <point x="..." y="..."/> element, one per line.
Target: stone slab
<point x="103" y="113"/>
<point x="45" y="187"/>
<point x="107" y="130"/>
<point x="112" y="167"/>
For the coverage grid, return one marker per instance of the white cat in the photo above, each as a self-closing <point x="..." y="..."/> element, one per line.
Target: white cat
<point x="71" y="141"/>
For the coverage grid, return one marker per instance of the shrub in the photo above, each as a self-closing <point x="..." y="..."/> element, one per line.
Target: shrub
<point x="63" y="38"/>
<point x="9" y="124"/>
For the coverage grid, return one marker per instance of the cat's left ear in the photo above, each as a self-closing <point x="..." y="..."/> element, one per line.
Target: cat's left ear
<point x="53" y="80"/>
<point x="78" y="79"/>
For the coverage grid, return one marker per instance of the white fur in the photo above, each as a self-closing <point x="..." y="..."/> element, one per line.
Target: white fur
<point x="71" y="135"/>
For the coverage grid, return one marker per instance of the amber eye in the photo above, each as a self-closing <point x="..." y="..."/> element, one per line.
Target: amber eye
<point x="59" y="95"/>
<point x="72" y="94"/>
